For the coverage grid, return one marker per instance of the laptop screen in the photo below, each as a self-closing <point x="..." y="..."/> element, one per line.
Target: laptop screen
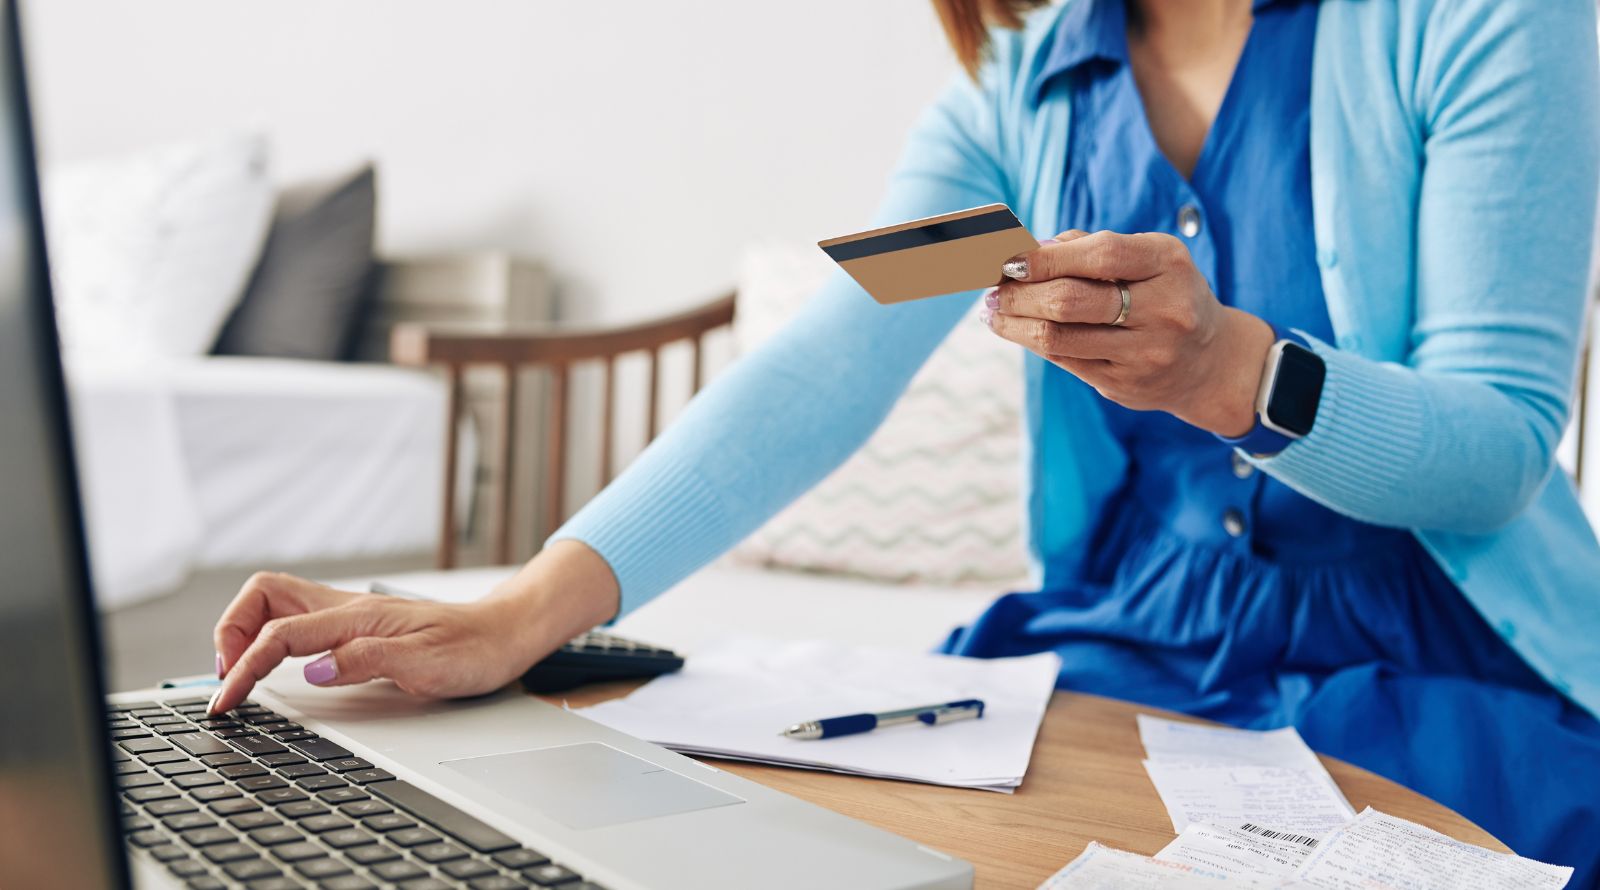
<point x="57" y="823"/>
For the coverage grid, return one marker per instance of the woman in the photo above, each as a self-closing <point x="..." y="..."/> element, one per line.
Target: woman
<point x="1400" y="194"/>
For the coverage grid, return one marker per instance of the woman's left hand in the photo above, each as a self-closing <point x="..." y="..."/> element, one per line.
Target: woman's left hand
<point x="1178" y="350"/>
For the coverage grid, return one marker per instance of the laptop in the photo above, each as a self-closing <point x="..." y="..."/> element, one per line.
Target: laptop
<point x="302" y="787"/>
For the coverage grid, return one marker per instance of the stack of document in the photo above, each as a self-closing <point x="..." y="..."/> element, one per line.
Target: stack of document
<point x="1373" y="851"/>
<point x="1230" y="776"/>
<point x="733" y="700"/>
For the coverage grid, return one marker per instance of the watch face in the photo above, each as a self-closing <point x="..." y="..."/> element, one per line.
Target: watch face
<point x="1297" y="390"/>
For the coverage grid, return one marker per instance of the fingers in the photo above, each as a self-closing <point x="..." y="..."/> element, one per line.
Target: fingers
<point x="280" y="638"/>
<point x="1108" y="256"/>
<point x="267" y="595"/>
<point x="1077" y="300"/>
<point x="1055" y="339"/>
<point x="360" y="660"/>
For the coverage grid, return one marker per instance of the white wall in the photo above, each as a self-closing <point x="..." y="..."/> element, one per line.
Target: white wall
<point x="633" y="145"/>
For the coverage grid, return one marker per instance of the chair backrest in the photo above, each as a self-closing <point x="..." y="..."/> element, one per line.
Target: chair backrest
<point x="556" y="350"/>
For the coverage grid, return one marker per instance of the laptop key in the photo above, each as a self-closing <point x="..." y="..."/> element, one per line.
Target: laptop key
<point x="496" y="882"/>
<point x="443" y="851"/>
<point x="274" y="835"/>
<point x="346" y="764"/>
<point x="301" y="770"/>
<point x="163" y="719"/>
<point x="411" y="837"/>
<point x="205" y="837"/>
<point x="278" y="883"/>
<point x="279" y="796"/>
<point x="232" y="852"/>
<point x="368" y="776"/>
<point x="234" y="806"/>
<point x="242" y="770"/>
<point x="550" y="875"/>
<point x="261" y="783"/>
<point x="197" y="780"/>
<point x="205" y="882"/>
<point x="150" y="792"/>
<point x="156" y="758"/>
<point x="283" y="759"/>
<point x="318" y="748"/>
<point x="396" y="871"/>
<point x="319" y="824"/>
<point x="128" y="768"/>
<point x="173" y="728"/>
<point x="347" y="837"/>
<point x="138" y="779"/>
<point x="198" y="744"/>
<point x="290" y="735"/>
<point x="180" y="768"/>
<point x="214" y="792"/>
<point x="168" y="807"/>
<point x="131" y="706"/>
<point x="118" y="735"/>
<point x="425" y="884"/>
<point x="231" y="732"/>
<point x="228" y="758"/>
<point x="186" y="821"/>
<point x="322" y="868"/>
<point x="522" y="857"/>
<point x="387" y="822"/>
<point x="147" y="838"/>
<point x="370" y="854"/>
<point x="186" y="867"/>
<point x="462" y="869"/>
<point x="298" y="851"/>
<point x="248" y="821"/>
<point x="470" y="830"/>
<point x="251" y="869"/>
<point x="135" y="823"/>
<point x="321" y="783"/>
<point x="257" y="745"/>
<point x="153" y="710"/>
<point x="300" y="809"/>
<point x="348" y="882"/>
<point x="168" y="853"/>
<point x="141" y="746"/>
<point x="341" y="795"/>
<point x="360" y="809"/>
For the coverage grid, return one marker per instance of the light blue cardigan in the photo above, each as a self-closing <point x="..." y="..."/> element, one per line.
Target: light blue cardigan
<point x="1455" y="156"/>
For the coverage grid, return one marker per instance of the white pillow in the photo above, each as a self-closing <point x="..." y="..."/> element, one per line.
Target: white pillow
<point x="151" y="253"/>
<point x="935" y="495"/>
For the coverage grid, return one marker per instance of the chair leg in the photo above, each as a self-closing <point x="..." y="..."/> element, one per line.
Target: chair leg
<point x="447" y="521"/>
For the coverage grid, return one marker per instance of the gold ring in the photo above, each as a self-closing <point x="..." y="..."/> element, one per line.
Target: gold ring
<point x="1127" y="303"/>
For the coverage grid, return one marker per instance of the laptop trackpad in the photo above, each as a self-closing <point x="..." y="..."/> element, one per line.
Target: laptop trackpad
<point x="589" y="785"/>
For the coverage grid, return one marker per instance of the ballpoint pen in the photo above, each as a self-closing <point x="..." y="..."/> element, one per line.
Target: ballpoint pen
<point x="850" y="724"/>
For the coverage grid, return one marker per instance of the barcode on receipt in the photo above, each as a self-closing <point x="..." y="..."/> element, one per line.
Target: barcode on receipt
<point x="1306" y="839"/>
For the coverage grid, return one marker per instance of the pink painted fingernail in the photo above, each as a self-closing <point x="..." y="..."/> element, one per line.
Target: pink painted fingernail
<point x="211" y="706"/>
<point x="322" y="671"/>
<point x="986" y="317"/>
<point x="1016" y="267"/>
<point x="219" y="666"/>
<point x="992" y="299"/>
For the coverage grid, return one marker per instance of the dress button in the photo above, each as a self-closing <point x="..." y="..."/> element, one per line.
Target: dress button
<point x="1241" y="467"/>
<point x="1233" y="522"/>
<point x="1188" y="220"/>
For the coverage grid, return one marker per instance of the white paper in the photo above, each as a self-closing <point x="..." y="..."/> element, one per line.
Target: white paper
<point x="1255" y="855"/>
<point x="1297" y="800"/>
<point x="1377" y="851"/>
<point x="733" y="700"/>
<point x="1170" y="741"/>
<point x="1102" y="868"/>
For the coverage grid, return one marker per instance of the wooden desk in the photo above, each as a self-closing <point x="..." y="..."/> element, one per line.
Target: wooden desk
<point x="1085" y="783"/>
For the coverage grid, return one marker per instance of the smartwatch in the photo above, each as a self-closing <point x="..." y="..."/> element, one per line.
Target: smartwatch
<point x="1286" y="403"/>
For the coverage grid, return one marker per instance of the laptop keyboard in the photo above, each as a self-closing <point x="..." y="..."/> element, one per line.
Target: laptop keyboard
<point x="251" y="799"/>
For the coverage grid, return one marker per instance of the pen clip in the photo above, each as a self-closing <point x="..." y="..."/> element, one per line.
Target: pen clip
<point x="971" y="709"/>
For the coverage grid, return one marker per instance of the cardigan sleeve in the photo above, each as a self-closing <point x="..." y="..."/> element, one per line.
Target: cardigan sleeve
<point x="780" y="419"/>
<point x="1462" y="436"/>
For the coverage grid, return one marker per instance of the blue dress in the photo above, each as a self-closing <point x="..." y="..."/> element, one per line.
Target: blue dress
<point x="1215" y="590"/>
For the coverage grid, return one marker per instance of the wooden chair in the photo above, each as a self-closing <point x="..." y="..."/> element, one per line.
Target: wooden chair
<point x="555" y="349"/>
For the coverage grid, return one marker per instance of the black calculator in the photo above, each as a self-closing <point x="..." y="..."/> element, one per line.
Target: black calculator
<point x="599" y="657"/>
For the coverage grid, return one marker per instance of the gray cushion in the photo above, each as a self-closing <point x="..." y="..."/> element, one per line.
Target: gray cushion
<point x="310" y="291"/>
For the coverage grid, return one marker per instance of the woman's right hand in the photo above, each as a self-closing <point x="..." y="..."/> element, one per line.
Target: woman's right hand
<point x="438" y="650"/>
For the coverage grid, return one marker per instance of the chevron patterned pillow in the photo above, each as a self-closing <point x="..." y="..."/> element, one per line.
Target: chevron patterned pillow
<point x="934" y="496"/>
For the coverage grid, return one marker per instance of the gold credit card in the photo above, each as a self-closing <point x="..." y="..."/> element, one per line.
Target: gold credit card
<point x="930" y="257"/>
